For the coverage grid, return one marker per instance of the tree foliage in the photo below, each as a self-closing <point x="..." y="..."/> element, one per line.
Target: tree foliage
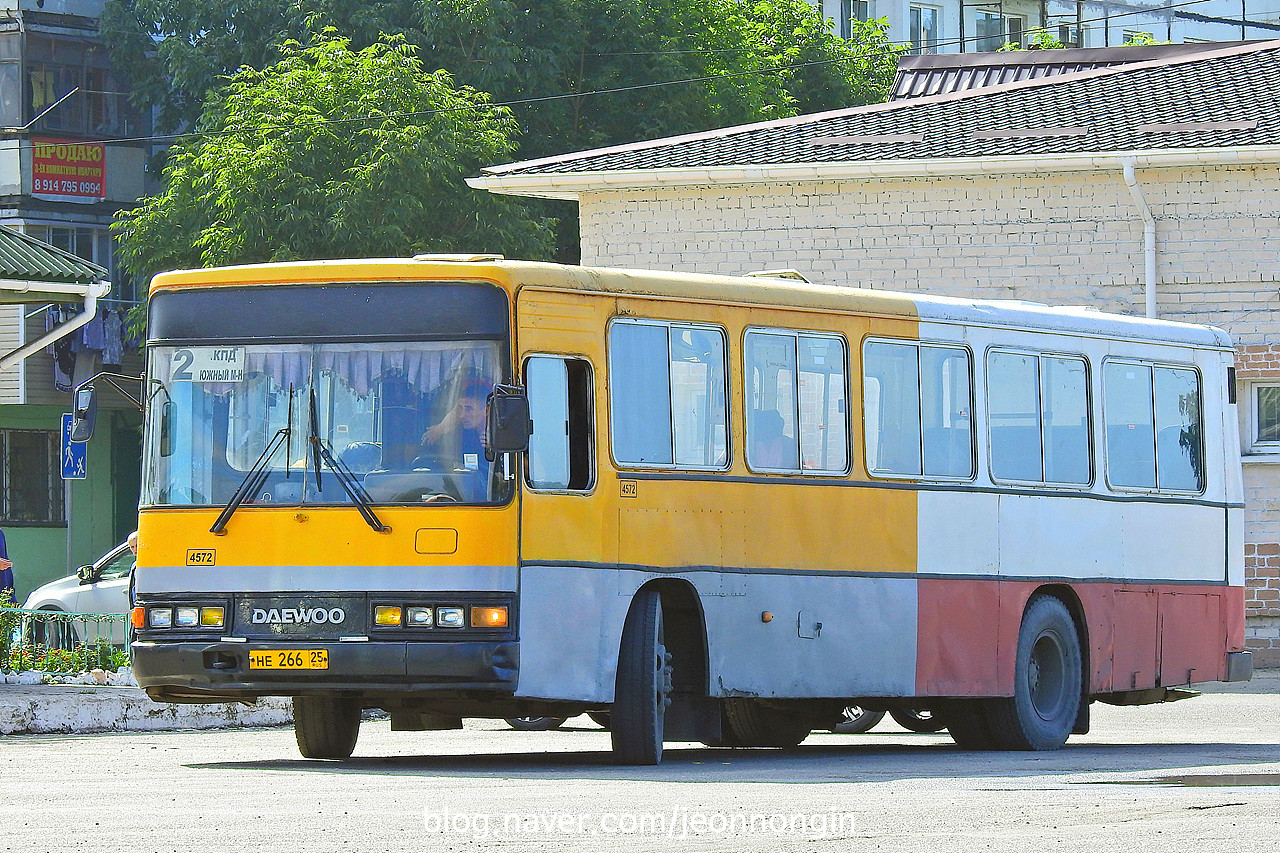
<point x="745" y="60"/>
<point x="576" y="73"/>
<point x="332" y="152"/>
<point x="748" y="60"/>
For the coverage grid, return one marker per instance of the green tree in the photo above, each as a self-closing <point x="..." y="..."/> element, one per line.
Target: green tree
<point x="332" y="152"/>
<point x="748" y="59"/>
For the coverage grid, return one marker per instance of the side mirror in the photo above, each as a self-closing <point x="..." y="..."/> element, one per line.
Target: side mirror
<point x="86" y="413"/>
<point x="508" y="427"/>
<point x="85" y="573"/>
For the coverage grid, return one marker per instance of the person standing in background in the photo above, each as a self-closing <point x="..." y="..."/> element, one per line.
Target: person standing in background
<point x="7" y="595"/>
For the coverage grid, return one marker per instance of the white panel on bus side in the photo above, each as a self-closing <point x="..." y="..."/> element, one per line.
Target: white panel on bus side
<point x="956" y="533"/>
<point x="1079" y="537"/>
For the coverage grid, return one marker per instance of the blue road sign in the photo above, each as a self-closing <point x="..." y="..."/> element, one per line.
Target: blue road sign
<point x="74" y="455"/>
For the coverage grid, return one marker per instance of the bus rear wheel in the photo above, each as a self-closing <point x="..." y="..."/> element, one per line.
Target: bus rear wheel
<point x="753" y="723"/>
<point x="326" y="728"/>
<point x="1047" y="681"/>
<point x="643" y="688"/>
<point x="968" y="723"/>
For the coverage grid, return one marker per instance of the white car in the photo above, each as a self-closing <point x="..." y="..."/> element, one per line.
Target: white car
<point x="100" y="588"/>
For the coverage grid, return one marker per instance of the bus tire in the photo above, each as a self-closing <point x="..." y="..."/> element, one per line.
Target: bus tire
<point x="643" y="688"/>
<point x="856" y="720"/>
<point x="1047" y="681"/>
<point x="326" y="728"/>
<point x="918" y="720"/>
<point x="755" y="724"/>
<point x="967" y="721"/>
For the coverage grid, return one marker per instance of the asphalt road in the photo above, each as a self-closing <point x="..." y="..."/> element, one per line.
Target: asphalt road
<point x="1196" y="775"/>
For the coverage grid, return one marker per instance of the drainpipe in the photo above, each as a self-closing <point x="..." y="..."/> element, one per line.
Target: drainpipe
<point x="1148" y="233"/>
<point x="95" y="290"/>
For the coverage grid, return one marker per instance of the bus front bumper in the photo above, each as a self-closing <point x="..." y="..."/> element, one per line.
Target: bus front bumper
<point x="212" y="671"/>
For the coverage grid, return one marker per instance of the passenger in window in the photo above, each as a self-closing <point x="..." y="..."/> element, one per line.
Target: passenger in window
<point x="770" y="448"/>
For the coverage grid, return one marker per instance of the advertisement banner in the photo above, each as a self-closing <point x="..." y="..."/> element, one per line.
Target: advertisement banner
<point x="67" y="170"/>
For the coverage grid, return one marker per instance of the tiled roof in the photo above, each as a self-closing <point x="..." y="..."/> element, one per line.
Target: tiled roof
<point x="940" y="73"/>
<point x="1228" y="97"/>
<point x="27" y="259"/>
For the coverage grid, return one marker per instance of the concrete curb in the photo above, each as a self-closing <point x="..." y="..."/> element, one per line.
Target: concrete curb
<point x="80" y="709"/>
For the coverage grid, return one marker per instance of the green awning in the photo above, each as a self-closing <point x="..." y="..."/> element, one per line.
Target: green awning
<point x="33" y="271"/>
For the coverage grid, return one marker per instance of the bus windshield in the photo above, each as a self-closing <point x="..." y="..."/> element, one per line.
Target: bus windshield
<point x="406" y="418"/>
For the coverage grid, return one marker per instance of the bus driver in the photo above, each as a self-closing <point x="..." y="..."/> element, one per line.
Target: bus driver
<point x="458" y="441"/>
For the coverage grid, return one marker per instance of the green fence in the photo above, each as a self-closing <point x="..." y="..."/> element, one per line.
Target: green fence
<point x="64" y="643"/>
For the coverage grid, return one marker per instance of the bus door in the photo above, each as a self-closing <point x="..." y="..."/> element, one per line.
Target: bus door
<point x="565" y="584"/>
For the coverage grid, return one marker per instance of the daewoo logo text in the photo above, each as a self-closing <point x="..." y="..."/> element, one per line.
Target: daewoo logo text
<point x="298" y="616"/>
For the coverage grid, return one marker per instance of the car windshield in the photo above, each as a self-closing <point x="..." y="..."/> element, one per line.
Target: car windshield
<point x="217" y="413"/>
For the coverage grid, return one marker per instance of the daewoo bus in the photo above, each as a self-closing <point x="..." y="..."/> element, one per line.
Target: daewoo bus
<point x="718" y="509"/>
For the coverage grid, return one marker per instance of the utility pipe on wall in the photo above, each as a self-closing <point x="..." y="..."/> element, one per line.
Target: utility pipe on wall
<point x="94" y="291"/>
<point x="1148" y="233"/>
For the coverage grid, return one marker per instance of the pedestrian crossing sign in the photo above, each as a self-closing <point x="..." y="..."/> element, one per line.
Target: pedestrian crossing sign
<point x="74" y="453"/>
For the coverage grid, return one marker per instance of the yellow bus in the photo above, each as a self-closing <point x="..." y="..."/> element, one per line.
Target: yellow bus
<point x="719" y="509"/>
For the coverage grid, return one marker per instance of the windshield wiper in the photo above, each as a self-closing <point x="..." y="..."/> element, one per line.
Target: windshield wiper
<point x="321" y="453"/>
<point x="257" y="476"/>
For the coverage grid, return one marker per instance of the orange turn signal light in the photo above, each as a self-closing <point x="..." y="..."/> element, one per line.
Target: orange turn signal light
<point x="489" y="617"/>
<point x="138" y="617"/>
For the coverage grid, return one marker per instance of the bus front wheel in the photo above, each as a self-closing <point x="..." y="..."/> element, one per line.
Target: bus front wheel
<point x="643" y="689"/>
<point x="326" y="728"/>
<point x="1047" y="681"/>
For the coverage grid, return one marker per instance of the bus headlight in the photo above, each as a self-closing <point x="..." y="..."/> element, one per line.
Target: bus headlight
<point x="212" y="617"/>
<point x="421" y="617"/>
<point x="186" y="617"/>
<point x="160" y="617"/>
<point x="449" y="617"/>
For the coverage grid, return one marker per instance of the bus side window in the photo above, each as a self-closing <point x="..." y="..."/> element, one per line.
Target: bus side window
<point x="1179" y="449"/>
<point x="891" y="373"/>
<point x="668" y="395"/>
<point x="560" y="449"/>
<point x="1126" y="403"/>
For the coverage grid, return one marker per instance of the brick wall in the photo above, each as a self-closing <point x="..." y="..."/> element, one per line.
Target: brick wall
<point x="1061" y="238"/>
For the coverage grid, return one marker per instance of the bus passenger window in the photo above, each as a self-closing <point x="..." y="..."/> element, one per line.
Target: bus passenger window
<point x="1179" y="450"/>
<point x="1126" y="401"/>
<point x="1064" y="400"/>
<point x="1013" y="407"/>
<point x="891" y="412"/>
<point x="945" y="403"/>
<point x="560" y="449"/>
<point x="667" y="395"/>
<point x="640" y="394"/>
<point x="824" y="432"/>
<point x="795" y="388"/>
<point x="917" y="400"/>
<point x="1038" y="406"/>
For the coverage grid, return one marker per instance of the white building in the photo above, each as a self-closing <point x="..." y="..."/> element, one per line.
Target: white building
<point x="956" y="26"/>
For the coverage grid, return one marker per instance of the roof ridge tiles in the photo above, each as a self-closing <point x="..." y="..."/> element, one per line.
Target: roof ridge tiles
<point x="887" y="108"/>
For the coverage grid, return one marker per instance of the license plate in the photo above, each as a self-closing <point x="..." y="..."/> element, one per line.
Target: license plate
<point x="289" y="659"/>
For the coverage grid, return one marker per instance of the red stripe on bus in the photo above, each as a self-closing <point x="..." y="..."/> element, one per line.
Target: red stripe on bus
<point x="1139" y="635"/>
